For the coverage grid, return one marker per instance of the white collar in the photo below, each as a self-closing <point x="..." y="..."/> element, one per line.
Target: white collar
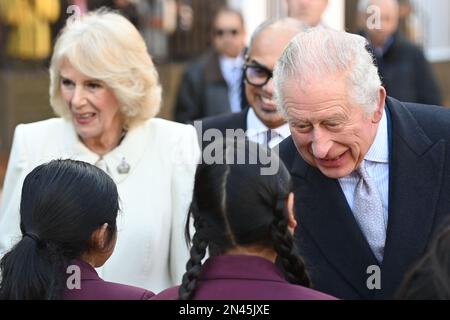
<point x="255" y="126"/>
<point x="229" y="63"/>
<point x="131" y="150"/>
<point x="379" y="151"/>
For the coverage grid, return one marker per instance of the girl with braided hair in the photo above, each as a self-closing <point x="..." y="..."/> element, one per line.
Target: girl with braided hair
<point x="244" y="220"/>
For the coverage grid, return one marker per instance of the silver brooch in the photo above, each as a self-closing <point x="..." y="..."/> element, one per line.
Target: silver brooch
<point x="123" y="167"/>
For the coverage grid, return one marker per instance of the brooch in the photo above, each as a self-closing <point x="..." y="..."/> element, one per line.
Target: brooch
<point x="123" y="167"/>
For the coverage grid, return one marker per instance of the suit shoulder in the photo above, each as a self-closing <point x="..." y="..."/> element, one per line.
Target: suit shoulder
<point x="199" y="64"/>
<point x="126" y="292"/>
<point x="43" y="126"/>
<point x="46" y="130"/>
<point x="303" y="293"/>
<point x="434" y="120"/>
<point x="103" y="290"/>
<point x="225" y="121"/>
<point x="167" y="294"/>
<point x="409" y="48"/>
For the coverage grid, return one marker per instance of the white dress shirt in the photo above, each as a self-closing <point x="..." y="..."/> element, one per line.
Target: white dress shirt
<point x="232" y="70"/>
<point x="257" y="131"/>
<point x="377" y="166"/>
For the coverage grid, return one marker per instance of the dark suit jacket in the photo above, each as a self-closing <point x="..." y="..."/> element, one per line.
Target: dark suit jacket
<point x="335" y="250"/>
<point x="222" y="122"/>
<point x="239" y="277"/>
<point x="203" y="90"/>
<point x="94" y="288"/>
<point x="406" y="73"/>
<point x="227" y="121"/>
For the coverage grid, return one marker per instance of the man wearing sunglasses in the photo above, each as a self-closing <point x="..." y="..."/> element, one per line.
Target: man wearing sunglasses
<point x="212" y="85"/>
<point x="260" y="120"/>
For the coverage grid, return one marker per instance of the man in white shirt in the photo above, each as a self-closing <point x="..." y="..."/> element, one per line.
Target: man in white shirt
<point x="261" y="121"/>
<point x="212" y="84"/>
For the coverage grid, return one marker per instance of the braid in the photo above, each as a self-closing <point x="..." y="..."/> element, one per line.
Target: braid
<point x="283" y="242"/>
<point x="194" y="265"/>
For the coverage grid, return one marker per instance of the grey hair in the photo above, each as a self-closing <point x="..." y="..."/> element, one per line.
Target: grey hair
<point x="321" y="52"/>
<point x="295" y="24"/>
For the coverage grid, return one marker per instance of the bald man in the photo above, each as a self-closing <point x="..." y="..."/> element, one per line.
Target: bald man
<point x="308" y="11"/>
<point x="260" y="120"/>
<point x="405" y="72"/>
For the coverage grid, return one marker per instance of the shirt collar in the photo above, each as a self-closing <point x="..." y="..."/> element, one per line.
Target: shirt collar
<point x="130" y="151"/>
<point x="228" y="63"/>
<point x="255" y="126"/>
<point x="87" y="272"/>
<point x="379" y="151"/>
<point x="381" y="51"/>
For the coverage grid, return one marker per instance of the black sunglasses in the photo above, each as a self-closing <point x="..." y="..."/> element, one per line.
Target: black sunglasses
<point x="257" y="75"/>
<point x="222" y="32"/>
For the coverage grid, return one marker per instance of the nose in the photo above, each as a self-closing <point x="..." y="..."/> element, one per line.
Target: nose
<point x="321" y="145"/>
<point x="78" y="98"/>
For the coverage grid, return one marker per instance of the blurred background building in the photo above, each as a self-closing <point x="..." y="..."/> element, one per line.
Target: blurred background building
<point x="176" y="32"/>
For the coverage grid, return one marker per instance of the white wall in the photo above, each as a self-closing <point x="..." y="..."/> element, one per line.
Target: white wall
<point x="334" y="16"/>
<point x="433" y="19"/>
<point x="256" y="11"/>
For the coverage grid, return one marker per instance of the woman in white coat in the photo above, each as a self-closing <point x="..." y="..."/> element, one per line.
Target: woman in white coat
<point x="104" y="88"/>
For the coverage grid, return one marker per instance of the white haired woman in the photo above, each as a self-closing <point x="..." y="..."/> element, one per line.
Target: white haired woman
<point x="105" y="89"/>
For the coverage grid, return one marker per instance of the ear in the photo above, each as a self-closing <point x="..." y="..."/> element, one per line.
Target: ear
<point x="100" y="237"/>
<point x="378" y="114"/>
<point x="292" y="222"/>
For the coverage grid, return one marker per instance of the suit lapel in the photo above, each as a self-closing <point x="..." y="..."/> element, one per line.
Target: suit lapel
<point x="415" y="180"/>
<point x="324" y="215"/>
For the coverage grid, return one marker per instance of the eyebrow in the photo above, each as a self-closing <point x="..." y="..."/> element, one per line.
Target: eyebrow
<point x="334" y="117"/>
<point x="86" y="81"/>
<point x="259" y="64"/>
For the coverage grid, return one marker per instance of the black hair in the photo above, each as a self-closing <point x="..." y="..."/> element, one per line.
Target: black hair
<point x="235" y="204"/>
<point x="429" y="279"/>
<point x="63" y="202"/>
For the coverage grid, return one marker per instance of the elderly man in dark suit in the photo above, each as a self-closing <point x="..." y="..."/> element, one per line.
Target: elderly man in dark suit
<point x="371" y="174"/>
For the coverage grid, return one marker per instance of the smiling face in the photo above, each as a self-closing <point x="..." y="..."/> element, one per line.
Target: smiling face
<point x="266" y="50"/>
<point x="329" y="131"/>
<point x="94" y="109"/>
